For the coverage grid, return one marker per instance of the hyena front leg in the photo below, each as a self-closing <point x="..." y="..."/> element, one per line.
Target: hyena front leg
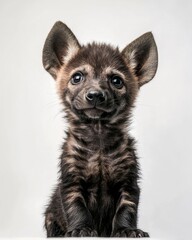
<point x="125" y="219"/>
<point x="52" y="227"/>
<point x="55" y="223"/>
<point x="78" y="217"/>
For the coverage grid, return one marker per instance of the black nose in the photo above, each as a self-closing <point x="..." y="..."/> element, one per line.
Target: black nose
<point x="96" y="96"/>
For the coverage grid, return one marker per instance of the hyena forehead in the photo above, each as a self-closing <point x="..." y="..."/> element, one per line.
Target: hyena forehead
<point x="93" y="73"/>
<point x="99" y="57"/>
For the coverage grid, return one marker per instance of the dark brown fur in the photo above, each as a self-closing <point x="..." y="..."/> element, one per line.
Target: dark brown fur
<point x="97" y="192"/>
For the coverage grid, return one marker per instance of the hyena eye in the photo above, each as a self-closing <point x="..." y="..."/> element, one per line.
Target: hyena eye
<point x="117" y="81"/>
<point x="77" y="78"/>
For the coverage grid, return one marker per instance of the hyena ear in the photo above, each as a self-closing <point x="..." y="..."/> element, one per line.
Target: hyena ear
<point x="142" y="58"/>
<point x="60" y="45"/>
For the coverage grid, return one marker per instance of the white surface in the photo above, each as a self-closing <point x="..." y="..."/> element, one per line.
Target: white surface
<point x="31" y="124"/>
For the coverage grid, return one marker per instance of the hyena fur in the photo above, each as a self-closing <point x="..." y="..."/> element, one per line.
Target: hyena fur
<point x="97" y="192"/>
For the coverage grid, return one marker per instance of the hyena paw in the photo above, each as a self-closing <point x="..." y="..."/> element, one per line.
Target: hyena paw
<point x="131" y="233"/>
<point x="83" y="232"/>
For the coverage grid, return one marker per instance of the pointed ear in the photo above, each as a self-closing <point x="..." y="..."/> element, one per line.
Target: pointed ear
<point x="141" y="57"/>
<point x="60" y="45"/>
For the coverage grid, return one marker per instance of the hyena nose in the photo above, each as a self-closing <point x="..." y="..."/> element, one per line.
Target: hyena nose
<point x="95" y="97"/>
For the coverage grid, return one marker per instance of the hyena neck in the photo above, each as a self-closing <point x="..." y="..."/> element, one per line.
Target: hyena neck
<point x="98" y="133"/>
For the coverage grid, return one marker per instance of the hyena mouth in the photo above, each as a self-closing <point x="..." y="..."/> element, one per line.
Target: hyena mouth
<point x="93" y="113"/>
<point x="96" y="113"/>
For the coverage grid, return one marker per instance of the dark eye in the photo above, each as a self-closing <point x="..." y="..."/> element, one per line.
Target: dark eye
<point x="117" y="81"/>
<point x="77" y="78"/>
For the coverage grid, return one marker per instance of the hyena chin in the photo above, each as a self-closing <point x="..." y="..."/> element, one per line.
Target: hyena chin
<point x="97" y="192"/>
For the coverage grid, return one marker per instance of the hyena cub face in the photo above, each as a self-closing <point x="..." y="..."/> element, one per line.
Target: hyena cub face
<point x="99" y="84"/>
<point x="98" y="81"/>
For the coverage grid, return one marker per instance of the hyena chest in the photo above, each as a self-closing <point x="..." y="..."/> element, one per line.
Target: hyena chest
<point x="98" y="173"/>
<point x="100" y="191"/>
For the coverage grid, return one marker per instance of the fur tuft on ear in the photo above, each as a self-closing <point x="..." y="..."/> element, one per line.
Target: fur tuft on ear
<point x="60" y="45"/>
<point x="142" y="58"/>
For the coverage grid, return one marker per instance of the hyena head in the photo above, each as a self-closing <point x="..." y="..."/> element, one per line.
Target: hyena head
<point x="97" y="81"/>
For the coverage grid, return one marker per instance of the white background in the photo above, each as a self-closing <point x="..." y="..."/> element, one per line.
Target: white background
<point x="31" y="124"/>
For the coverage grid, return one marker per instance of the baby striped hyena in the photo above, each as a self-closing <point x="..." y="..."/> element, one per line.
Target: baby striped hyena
<point x="97" y="192"/>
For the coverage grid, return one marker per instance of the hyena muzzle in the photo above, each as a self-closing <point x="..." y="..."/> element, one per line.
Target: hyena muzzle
<point x="97" y="192"/>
